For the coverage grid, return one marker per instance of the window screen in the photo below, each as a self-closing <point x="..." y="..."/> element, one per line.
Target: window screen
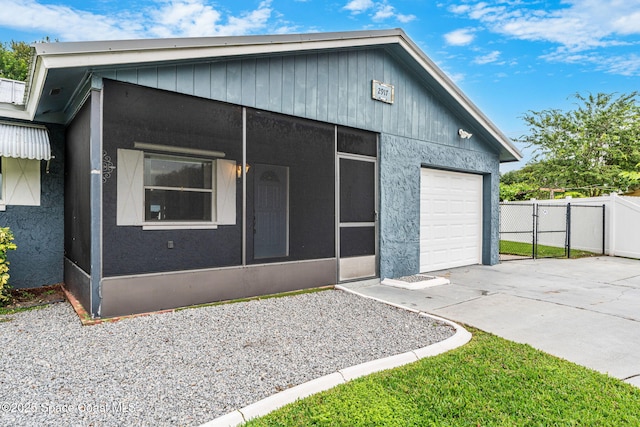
<point x="357" y="141"/>
<point x="177" y="188"/>
<point x="290" y="188"/>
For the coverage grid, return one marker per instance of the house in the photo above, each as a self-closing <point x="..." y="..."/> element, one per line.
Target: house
<point x="203" y="169"/>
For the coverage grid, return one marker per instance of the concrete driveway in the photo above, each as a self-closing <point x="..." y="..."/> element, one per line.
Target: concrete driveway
<point x="584" y="310"/>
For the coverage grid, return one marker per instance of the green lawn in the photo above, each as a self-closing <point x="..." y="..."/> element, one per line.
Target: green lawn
<point x="508" y="247"/>
<point x="488" y="382"/>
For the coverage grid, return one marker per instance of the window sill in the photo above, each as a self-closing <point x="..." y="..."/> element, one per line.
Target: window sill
<point x="180" y="226"/>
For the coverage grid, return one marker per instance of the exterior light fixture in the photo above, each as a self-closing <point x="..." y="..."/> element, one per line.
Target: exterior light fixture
<point x="239" y="170"/>
<point x="464" y="134"/>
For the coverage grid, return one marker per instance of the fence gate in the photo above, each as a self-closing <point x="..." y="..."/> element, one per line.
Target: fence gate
<point x="517" y="231"/>
<point x="533" y="230"/>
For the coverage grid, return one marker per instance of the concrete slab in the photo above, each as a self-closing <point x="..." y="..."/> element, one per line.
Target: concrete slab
<point x="590" y="339"/>
<point x="584" y="310"/>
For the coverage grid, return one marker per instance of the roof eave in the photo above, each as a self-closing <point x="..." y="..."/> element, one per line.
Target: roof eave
<point x="93" y="54"/>
<point x="445" y="82"/>
<point x="127" y="52"/>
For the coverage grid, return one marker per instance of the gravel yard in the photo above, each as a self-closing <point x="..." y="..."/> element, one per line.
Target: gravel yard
<point x="188" y="367"/>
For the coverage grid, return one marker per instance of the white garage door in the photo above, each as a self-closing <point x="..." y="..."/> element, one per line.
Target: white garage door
<point x="450" y="219"/>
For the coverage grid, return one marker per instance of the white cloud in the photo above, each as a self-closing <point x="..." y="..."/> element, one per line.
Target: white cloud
<point x="623" y="65"/>
<point x="405" y="18"/>
<point x="627" y="65"/>
<point x="488" y="58"/>
<point x="577" y="25"/>
<point x="627" y="24"/>
<point x="64" y="22"/>
<point x="359" y="6"/>
<point x="169" y="18"/>
<point x="461" y="37"/>
<point x="582" y="31"/>
<point x="188" y="18"/>
<point x="382" y="10"/>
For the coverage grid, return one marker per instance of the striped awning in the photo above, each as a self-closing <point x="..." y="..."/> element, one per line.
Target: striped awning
<point x="24" y="141"/>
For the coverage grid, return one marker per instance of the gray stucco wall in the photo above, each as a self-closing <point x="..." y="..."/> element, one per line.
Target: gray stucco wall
<point x="400" y="162"/>
<point x="39" y="230"/>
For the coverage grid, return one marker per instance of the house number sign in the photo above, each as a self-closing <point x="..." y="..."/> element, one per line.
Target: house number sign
<point x="382" y="91"/>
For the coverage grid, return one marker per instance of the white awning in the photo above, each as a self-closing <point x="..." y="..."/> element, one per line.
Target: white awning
<point x="24" y="141"/>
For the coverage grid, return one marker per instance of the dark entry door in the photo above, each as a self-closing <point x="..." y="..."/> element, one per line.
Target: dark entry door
<point x="271" y="211"/>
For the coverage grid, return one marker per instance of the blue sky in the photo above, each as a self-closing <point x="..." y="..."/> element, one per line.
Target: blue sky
<point x="509" y="57"/>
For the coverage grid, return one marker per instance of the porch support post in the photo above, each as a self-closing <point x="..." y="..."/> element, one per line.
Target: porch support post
<point x="95" y="154"/>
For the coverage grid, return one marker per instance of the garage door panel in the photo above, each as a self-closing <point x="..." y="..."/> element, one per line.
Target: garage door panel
<point x="450" y="219"/>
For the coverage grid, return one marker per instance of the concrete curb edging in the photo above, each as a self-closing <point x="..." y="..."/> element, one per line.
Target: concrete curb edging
<point x="278" y="400"/>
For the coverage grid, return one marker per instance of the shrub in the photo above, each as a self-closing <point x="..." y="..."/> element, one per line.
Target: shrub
<point x="6" y="244"/>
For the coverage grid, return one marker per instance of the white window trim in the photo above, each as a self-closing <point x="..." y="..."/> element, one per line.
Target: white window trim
<point x="131" y="192"/>
<point x="162" y="225"/>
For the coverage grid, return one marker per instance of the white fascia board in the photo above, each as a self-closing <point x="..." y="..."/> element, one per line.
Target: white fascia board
<point x="36" y="87"/>
<point x="444" y="81"/>
<point x="141" y="56"/>
<point x="28" y="111"/>
<point x="11" y="111"/>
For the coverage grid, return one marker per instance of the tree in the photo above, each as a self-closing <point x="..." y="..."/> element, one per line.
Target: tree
<point x="592" y="149"/>
<point x="14" y="60"/>
<point x="523" y="184"/>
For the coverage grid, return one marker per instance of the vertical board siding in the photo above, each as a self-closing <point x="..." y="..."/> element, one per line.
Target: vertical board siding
<point x="333" y="87"/>
<point x="363" y="115"/>
<point x="352" y="89"/>
<point x="234" y="82"/>
<point x="311" y="86"/>
<point x="333" y="100"/>
<point x="167" y="78"/>
<point x="129" y="75"/>
<point x="275" y="84"/>
<point x="249" y="82"/>
<point x="148" y="76"/>
<point x="184" y="82"/>
<point x="218" y="81"/>
<point x="300" y="86"/>
<point x="322" y="87"/>
<point x="263" y="84"/>
<point x="288" y="85"/>
<point x="202" y="81"/>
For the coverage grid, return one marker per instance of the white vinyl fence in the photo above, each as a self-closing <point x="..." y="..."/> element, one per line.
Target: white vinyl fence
<point x="621" y="223"/>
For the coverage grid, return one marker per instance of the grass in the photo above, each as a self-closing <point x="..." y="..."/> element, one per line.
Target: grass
<point x="13" y="310"/>
<point x="508" y="247"/>
<point x="488" y="382"/>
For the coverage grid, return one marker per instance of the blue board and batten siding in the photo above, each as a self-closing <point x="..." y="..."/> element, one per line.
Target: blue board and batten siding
<point x="329" y="87"/>
<point x="418" y="130"/>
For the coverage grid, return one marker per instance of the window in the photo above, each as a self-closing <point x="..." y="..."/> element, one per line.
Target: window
<point x="178" y="188"/>
<point x="19" y="182"/>
<point x="174" y="191"/>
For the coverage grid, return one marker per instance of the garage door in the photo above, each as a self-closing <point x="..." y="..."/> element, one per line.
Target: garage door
<point x="450" y="219"/>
